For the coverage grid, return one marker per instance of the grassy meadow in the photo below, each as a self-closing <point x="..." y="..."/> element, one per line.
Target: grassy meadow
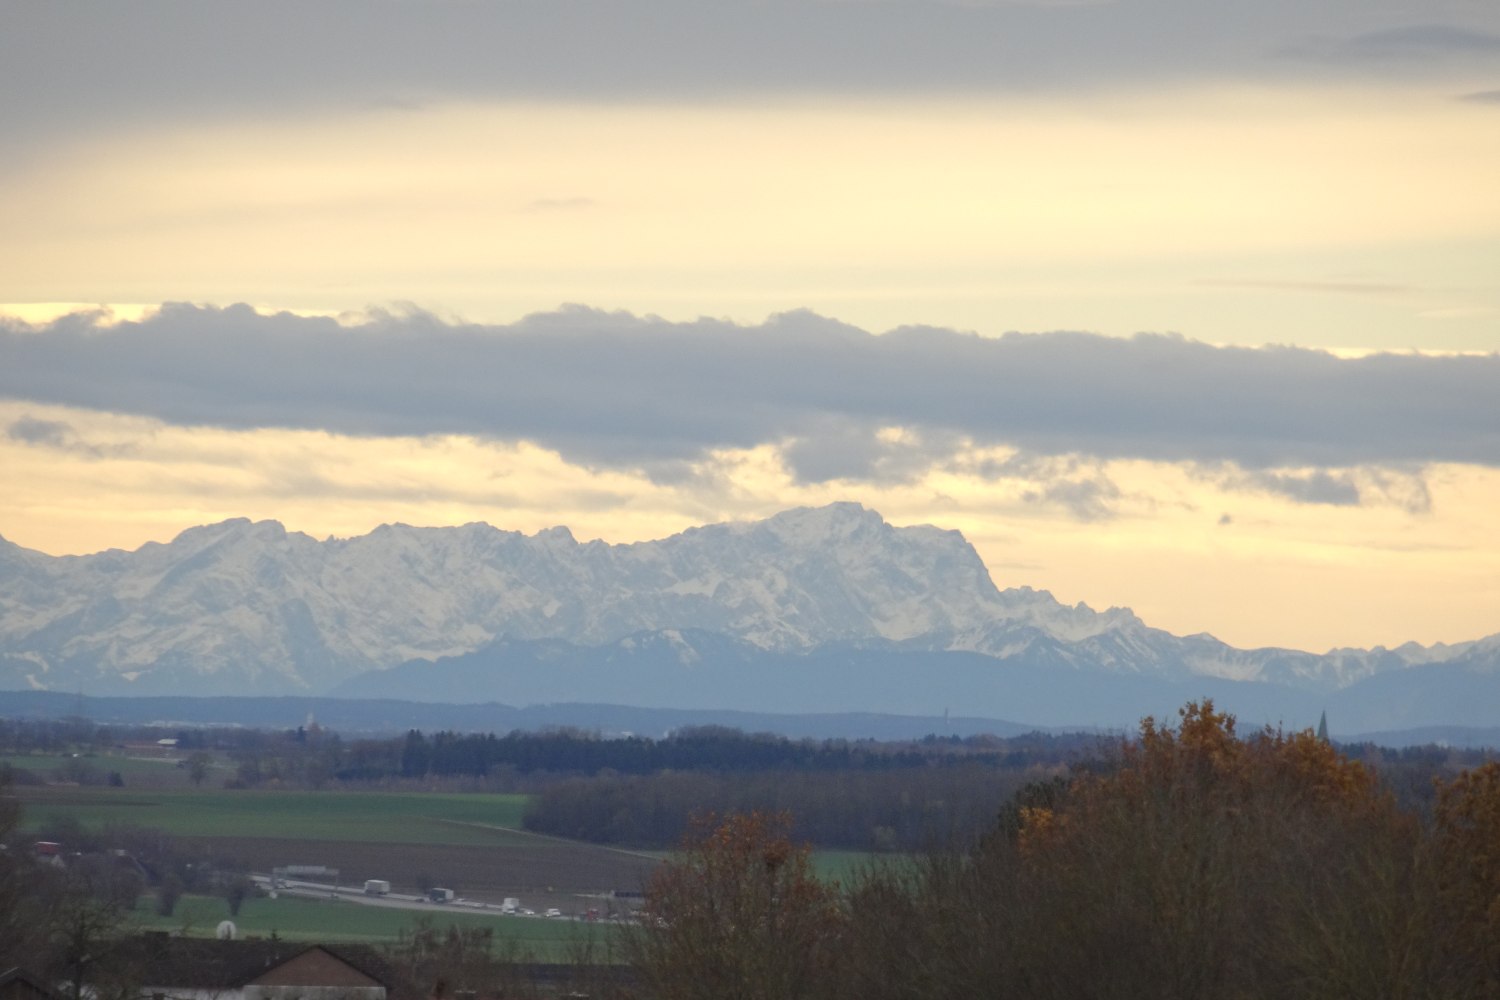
<point x="154" y="771"/>
<point x="374" y="817"/>
<point x="159" y="794"/>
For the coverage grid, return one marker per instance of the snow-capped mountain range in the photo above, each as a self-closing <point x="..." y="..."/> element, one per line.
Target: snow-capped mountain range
<point x="241" y="608"/>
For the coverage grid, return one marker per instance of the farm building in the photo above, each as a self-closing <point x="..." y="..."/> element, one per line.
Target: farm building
<point x="200" y="969"/>
<point x="166" y="749"/>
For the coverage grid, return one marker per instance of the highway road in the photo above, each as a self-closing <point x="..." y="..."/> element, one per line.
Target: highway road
<point x="396" y="900"/>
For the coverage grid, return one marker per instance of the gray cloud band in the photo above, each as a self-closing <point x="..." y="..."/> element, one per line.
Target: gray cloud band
<point x="619" y="391"/>
<point x="119" y="65"/>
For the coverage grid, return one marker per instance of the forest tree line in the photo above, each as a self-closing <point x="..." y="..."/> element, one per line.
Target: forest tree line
<point x="898" y="809"/>
<point x="1191" y="863"/>
<point x="640" y="792"/>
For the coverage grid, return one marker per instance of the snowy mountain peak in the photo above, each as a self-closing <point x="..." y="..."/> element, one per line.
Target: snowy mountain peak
<point x="840" y="517"/>
<point x="15" y="558"/>
<point x="559" y="535"/>
<point x="242" y="606"/>
<point x="255" y="605"/>
<point x="235" y="530"/>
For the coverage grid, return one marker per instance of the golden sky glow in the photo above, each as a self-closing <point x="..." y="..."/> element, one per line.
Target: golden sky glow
<point x="1347" y="201"/>
<point x="1347" y="217"/>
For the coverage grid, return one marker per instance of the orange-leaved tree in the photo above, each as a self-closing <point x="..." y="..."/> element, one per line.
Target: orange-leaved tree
<point x="737" y="914"/>
<point x="1201" y="863"/>
<point x="1465" y="852"/>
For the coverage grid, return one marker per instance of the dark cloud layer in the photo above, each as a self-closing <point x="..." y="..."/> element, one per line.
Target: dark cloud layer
<point x="1412" y="43"/>
<point x="131" y="65"/>
<point x="620" y="391"/>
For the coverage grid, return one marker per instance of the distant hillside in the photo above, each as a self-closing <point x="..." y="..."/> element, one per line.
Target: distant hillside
<point x="389" y="717"/>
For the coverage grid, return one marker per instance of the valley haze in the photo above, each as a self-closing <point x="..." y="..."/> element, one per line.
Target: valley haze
<point x="812" y="611"/>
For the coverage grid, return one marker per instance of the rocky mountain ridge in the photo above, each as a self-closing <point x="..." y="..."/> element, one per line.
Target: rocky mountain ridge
<point x="245" y="607"/>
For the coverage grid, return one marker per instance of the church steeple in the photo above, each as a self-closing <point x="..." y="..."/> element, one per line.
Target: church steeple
<point x="1323" y="727"/>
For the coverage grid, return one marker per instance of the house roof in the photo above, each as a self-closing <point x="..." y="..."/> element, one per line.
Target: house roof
<point x="210" y="964"/>
<point x="19" y="982"/>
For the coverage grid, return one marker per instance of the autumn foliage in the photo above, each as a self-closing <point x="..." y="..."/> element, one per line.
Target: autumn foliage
<point x="1466" y="852"/>
<point x="1191" y="861"/>
<point x="1204" y="864"/>
<point x="738" y="915"/>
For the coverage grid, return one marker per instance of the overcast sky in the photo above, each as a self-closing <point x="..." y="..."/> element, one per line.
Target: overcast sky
<point x="1189" y="307"/>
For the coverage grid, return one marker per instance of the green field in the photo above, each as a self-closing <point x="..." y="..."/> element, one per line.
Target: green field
<point x="128" y="767"/>
<point x="429" y="818"/>
<point x="336" y="920"/>
<point x="369" y="817"/>
<point x="470" y="841"/>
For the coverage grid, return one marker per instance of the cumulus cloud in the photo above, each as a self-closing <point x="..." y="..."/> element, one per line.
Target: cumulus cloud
<point x="1398" y="487"/>
<point x="57" y="435"/>
<point x="1336" y="488"/>
<point x="842" y="447"/>
<point x="1404" y="488"/>
<point x="1086" y="499"/>
<point x="1079" y="484"/>
<point x="30" y="430"/>
<point x="614" y="390"/>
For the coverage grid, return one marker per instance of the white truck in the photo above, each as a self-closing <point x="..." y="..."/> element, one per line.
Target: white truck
<point x="436" y="895"/>
<point x="377" y="887"/>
